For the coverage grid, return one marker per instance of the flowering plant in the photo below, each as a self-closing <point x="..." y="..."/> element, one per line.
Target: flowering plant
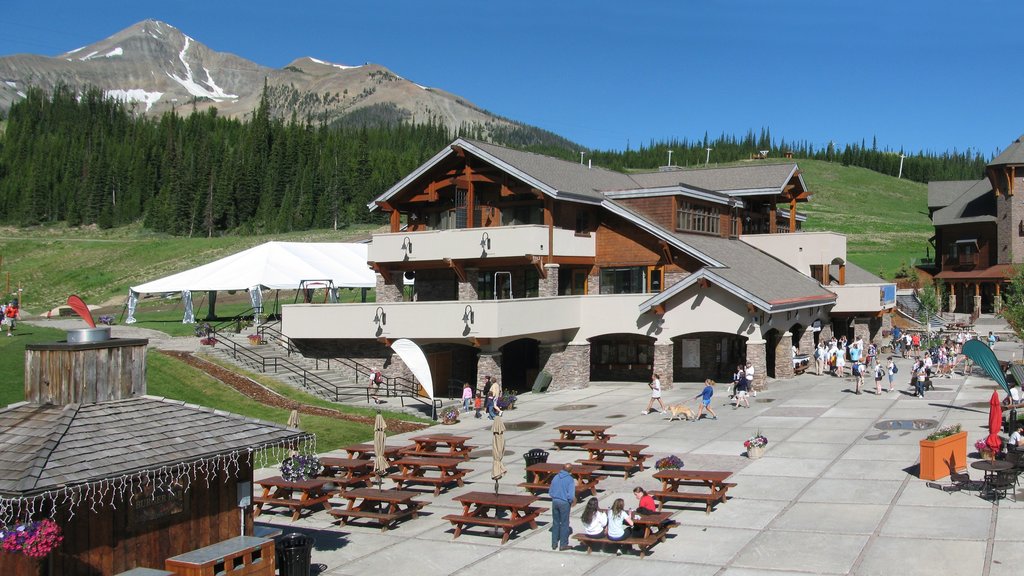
<point x="300" y="467"/>
<point x="450" y="415"/>
<point x="756" y="441"/>
<point x="255" y="339"/>
<point x="669" y="463"/>
<point x="34" y="539"/>
<point x="980" y="446"/>
<point x="208" y="341"/>
<point x="505" y="401"/>
<point x="203" y="330"/>
<point x="106" y="320"/>
<point x="944" y="432"/>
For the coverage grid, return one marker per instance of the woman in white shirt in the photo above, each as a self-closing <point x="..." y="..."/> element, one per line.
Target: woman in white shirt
<point x="594" y="519"/>
<point x="618" y="519"/>
<point x="655" y="394"/>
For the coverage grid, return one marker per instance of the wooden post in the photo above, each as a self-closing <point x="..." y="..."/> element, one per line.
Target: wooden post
<point x="792" y="215"/>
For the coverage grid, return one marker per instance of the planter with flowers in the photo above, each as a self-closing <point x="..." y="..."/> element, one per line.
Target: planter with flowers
<point x="943" y="451"/>
<point x="755" y="445"/>
<point x="106" y="320"/>
<point x="33" y="539"/>
<point x="205" y="333"/>
<point x="450" y="416"/>
<point x="984" y="450"/>
<point x="506" y="402"/>
<point x="256" y="339"/>
<point x="299" y="467"/>
<point x="669" y="463"/>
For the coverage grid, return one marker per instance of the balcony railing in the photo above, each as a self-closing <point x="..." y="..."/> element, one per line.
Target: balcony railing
<point x="475" y="243"/>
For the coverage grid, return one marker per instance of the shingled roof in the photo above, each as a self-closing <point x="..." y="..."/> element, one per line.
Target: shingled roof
<point x="46" y="447"/>
<point x="976" y="204"/>
<point x="1014" y="154"/>
<point x="942" y="193"/>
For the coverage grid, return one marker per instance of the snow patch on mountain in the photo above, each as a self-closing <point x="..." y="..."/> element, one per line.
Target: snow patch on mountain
<point x="135" y="95"/>
<point x="339" y="66"/>
<point x="213" y="92"/>
<point x="115" y="52"/>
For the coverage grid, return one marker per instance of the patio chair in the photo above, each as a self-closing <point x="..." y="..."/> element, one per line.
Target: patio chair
<point x="1003" y="484"/>
<point x="958" y="481"/>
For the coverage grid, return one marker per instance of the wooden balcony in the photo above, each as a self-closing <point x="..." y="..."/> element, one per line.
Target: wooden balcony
<point x="479" y="243"/>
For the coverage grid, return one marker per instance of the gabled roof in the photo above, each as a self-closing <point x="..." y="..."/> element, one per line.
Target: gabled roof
<point x="750" y="274"/>
<point x="976" y="204"/>
<point x="943" y="193"/>
<point x="46" y="447"/>
<point x="1014" y="154"/>
<point x="577" y="182"/>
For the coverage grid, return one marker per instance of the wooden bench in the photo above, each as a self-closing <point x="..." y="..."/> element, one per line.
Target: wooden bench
<point x="709" y="498"/>
<point x="506" y="524"/>
<point x="384" y="506"/>
<point x="627" y="467"/>
<point x="575" y="442"/>
<point x="655" y="529"/>
<point x="413" y="471"/>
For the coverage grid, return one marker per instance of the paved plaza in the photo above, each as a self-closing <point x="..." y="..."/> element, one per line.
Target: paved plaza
<point x="834" y="493"/>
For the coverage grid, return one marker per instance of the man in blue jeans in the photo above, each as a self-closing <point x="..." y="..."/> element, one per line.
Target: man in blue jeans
<point x="562" y="492"/>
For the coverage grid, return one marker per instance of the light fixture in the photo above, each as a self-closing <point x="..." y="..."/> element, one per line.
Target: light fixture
<point x="380" y="318"/>
<point x="485" y="241"/>
<point x="407" y="245"/>
<point x="468" y="316"/>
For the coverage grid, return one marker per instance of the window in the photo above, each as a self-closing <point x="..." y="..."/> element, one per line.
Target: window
<point x="624" y="352"/>
<point x="531" y="283"/>
<point x="693" y="217"/>
<point x="521" y="214"/>
<point x="572" y="282"/>
<point x="485" y="285"/>
<point x="582" y="221"/>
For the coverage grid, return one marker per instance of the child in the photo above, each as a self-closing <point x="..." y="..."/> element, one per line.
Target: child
<point x="655" y="386"/>
<point x="467" y="396"/>
<point x="705" y="399"/>
<point x="742" y="389"/>
<point x="478" y="404"/>
<point x="617" y="516"/>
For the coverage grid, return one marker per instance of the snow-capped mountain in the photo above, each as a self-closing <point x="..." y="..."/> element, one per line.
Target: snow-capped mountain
<point x="155" y="66"/>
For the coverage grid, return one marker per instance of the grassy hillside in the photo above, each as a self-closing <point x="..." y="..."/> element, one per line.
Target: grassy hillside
<point x="51" y="263"/>
<point x="885" y="219"/>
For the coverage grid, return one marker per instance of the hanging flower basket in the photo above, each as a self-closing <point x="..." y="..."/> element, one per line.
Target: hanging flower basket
<point x="300" y="467"/>
<point x="33" y="539"/>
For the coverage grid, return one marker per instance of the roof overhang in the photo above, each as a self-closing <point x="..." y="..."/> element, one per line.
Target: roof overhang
<point x="692" y="192"/>
<point x="708" y="275"/>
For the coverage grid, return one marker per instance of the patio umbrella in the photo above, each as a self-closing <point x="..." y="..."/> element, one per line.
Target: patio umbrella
<point x="995" y="423"/>
<point x="497" y="451"/>
<point x="380" y="463"/>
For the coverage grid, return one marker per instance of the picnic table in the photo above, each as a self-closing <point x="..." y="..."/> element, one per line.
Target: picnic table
<point x="345" y="473"/>
<point x="655" y="529"/>
<point x="414" y="471"/>
<point x="477" y="508"/>
<point x="577" y="435"/>
<point x="439" y="445"/>
<point x="673" y="483"/>
<point x="544" y="472"/>
<point x="280" y="492"/>
<point x="627" y="457"/>
<point x="384" y="506"/>
<point x="366" y="451"/>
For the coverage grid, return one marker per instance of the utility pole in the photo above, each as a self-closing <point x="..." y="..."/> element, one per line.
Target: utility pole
<point x="670" y="158"/>
<point x="900" y="175"/>
<point x="581" y="158"/>
<point x="707" y="158"/>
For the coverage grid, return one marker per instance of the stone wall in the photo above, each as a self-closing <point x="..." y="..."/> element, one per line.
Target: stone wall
<point x="806" y="345"/>
<point x="783" y="357"/>
<point x="756" y="356"/>
<point x="549" y="285"/>
<point x="467" y="289"/>
<point x="438" y="285"/>
<point x="663" y="354"/>
<point x="569" y="365"/>
<point x="489" y="363"/>
<point x="390" y="292"/>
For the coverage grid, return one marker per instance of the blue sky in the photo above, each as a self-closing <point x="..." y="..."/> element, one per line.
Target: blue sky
<point x="934" y="75"/>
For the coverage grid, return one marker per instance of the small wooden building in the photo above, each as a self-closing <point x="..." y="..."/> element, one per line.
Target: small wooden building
<point x="130" y="479"/>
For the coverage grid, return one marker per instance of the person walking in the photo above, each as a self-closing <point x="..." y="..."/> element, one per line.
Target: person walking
<point x="655" y="385"/>
<point x="705" y="400"/>
<point x="467" y="397"/>
<point x="819" y="358"/>
<point x="879" y="372"/>
<point x="749" y="371"/>
<point x="562" y="493"/>
<point x="858" y="372"/>
<point x="11" y="316"/>
<point x="891" y="370"/>
<point x="742" y="392"/>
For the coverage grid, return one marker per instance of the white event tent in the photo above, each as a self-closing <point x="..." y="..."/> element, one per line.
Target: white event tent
<point x="274" y="266"/>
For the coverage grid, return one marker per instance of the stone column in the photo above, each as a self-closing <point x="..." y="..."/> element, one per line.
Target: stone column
<point x="390" y="292"/>
<point x="807" y="342"/>
<point x="593" y="283"/>
<point x="826" y="332"/>
<point x="784" y="356"/>
<point x="756" y="356"/>
<point x="549" y="286"/>
<point x="488" y="363"/>
<point x="952" y="301"/>
<point x="663" y="363"/>
<point x="977" y="304"/>
<point x="569" y="366"/>
<point x="467" y="289"/>
<point x="997" y="303"/>
<point x="862" y="329"/>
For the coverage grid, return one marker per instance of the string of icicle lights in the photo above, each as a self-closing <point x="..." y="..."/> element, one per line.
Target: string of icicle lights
<point x="110" y="491"/>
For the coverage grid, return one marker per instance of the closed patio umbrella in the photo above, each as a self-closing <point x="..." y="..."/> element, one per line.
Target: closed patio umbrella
<point x="380" y="463"/>
<point x="497" y="451"/>
<point x="995" y="423"/>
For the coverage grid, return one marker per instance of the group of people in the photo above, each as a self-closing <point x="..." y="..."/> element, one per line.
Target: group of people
<point x="742" y="388"/>
<point x="10" y="314"/>
<point x="483" y="400"/>
<point x="615" y="523"/>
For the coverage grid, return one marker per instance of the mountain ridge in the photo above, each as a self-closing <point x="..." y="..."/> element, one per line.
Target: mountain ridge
<point x="155" y="67"/>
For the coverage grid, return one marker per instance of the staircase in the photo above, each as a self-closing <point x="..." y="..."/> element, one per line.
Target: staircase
<point x="335" y="379"/>
<point x="909" y="306"/>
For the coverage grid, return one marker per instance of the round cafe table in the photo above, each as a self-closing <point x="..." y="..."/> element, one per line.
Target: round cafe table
<point x="991" y="468"/>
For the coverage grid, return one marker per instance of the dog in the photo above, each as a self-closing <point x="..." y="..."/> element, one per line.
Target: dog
<point x="680" y="411"/>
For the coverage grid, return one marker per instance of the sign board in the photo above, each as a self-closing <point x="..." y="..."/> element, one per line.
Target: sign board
<point x="691" y="353"/>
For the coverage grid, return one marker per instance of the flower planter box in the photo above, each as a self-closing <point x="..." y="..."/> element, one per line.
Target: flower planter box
<point x="755" y="452"/>
<point x="938" y="457"/>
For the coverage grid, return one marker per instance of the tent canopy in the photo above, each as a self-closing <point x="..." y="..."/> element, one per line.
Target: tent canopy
<point x="274" y="265"/>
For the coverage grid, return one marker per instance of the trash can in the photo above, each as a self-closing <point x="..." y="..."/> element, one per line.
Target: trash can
<point x="535" y="456"/>
<point x="293" y="554"/>
<point x="542" y="382"/>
